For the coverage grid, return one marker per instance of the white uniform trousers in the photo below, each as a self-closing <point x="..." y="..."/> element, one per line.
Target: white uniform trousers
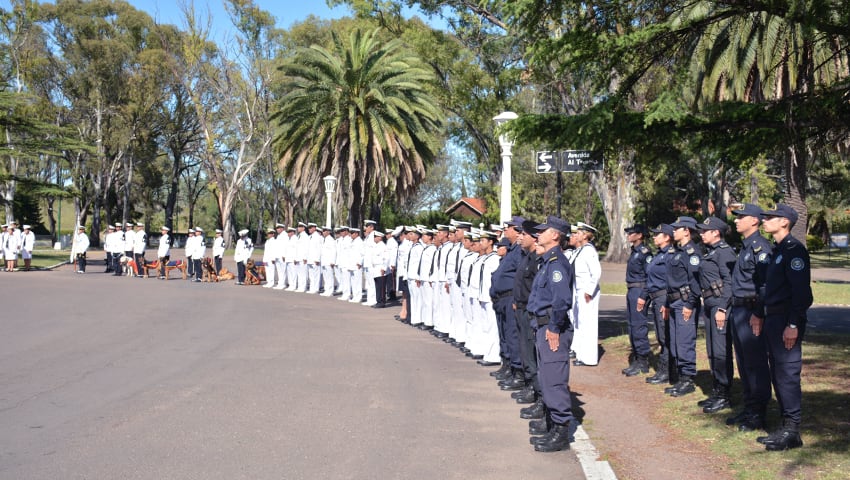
<point x="291" y="276"/>
<point x="371" y="296"/>
<point x="586" y="329"/>
<point x="315" y="272"/>
<point x="456" y="314"/>
<point x="328" y="280"/>
<point x="345" y="285"/>
<point x="426" y="306"/>
<point x="415" y="306"/>
<point x="301" y="268"/>
<point x="271" y="274"/>
<point x="280" y="269"/>
<point x="338" y="273"/>
<point x="490" y="334"/>
<point x="356" y="285"/>
<point x="442" y="308"/>
<point x="463" y="322"/>
<point x="473" y="328"/>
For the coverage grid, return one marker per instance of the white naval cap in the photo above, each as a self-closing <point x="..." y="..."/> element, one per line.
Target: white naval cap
<point x="244" y="231"/>
<point x="378" y="234"/>
<point x="302" y="224"/>
<point x="199" y="230"/>
<point x="26" y="227"/>
<point x="128" y="224"/>
<point x="191" y="230"/>
<point x="218" y="230"/>
<point x="165" y="228"/>
<point x="279" y="225"/>
<point x="79" y="227"/>
<point x="311" y="224"/>
<point x="140" y="224"/>
<point x="369" y="222"/>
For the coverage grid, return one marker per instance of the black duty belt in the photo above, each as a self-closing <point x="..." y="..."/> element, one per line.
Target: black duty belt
<point x="521" y="305"/>
<point x="707" y="293"/>
<point x="542" y="319"/>
<point x="744" y="301"/>
<point x="777" y="308"/>
<point x="658" y="294"/>
<point x="673" y="296"/>
<point x="635" y="284"/>
<point x="507" y="293"/>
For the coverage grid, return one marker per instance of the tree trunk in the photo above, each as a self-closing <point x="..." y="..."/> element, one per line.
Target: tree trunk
<point x="795" y="193"/>
<point x="618" y="203"/>
<point x="51" y="218"/>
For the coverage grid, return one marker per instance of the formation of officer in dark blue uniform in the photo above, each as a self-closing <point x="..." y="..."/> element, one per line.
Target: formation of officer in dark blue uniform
<point x="526" y="271"/>
<point x="549" y="304"/>
<point x="502" y="293"/>
<point x="683" y="305"/>
<point x="653" y="300"/>
<point x="787" y="298"/>
<point x="715" y="278"/>
<point x="636" y="268"/>
<point x="748" y="279"/>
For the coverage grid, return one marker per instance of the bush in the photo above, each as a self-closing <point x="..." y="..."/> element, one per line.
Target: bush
<point x="814" y="243"/>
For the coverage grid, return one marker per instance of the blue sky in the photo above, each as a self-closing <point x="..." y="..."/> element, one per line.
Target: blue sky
<point x="286" y="12"/>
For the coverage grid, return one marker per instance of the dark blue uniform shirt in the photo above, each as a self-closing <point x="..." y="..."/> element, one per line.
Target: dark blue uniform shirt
<point x="789" y="279"/>
<point x="636" y="266"/>
<point x="552" y="290"/>
<point x="750" y="272"/>
<point x="503" y="277"/>
<point x="715" y="274"/>
<point x="525" y="273"/>
<point x="683" y="271"/>
<point x="656" y="272"/>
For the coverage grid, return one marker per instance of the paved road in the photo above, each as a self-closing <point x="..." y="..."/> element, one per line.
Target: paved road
<point x="144" y="379"/>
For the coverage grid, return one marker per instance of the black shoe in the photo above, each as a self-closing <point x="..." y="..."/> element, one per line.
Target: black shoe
<point x="670" y="389"/>
<point x="536" y="410"/>
<point x="522" y="392"/>
<point x="783" y="439"/>
<point x="740" y="417"/>
<point x="485" y="363"/>
<point x="379" y="305"/>
<point x="572" y="354"/>
<point x="752" y="424"/>
<point x="538" y="427"/>
<point x="684" y="387"/>
<point x="477" y="357"/>
<point x="719" y="404"/>
<point x="506" y="367"/>
<point x="511" y="384"/>
<point x="659" y="378"/>
<point x="557" y="440"/>
<point x="464" y="350"/>
<point x="441" y="334"/>
<point x="526" y="396"/>
<point x="707" y="401"/>
<point x="579" y="363"/>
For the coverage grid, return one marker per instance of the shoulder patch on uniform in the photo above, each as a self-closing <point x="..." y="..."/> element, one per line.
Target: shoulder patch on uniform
<point x="689" y="250"/>
<point x="778" y="259"/>
<point x="763" y="257"/>
<point x="649" y="258"/>
<point x="757" y="249"/>
<point x="694" y="260"/>
<point x="557" y="276"/>
<point x="643" y="249"/>
<point x="797" y="264"/>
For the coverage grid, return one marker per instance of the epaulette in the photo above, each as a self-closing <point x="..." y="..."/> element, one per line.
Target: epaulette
<point x="644" y="250"/>
<point x="757" y="249"/>
<point x="690" y="250"/>
<point x="792" y="245"/>
<point x="552" y="256"/>
<point x="723" y="245"/>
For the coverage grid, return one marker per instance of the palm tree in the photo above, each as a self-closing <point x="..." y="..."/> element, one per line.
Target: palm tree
<point x="757" y="57"/>
<point x="361" y="112"/>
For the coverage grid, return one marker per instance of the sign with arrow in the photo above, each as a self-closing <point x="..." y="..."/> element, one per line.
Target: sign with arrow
<point x="547" y="162"/>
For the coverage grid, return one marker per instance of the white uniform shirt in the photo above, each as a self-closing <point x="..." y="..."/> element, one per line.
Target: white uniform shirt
<point x="427" y="267"/>
<point x="302" y="247"/>
<point x="355" y="254"/>
<point x="81" y="244"/>
<point x="140" y="241"/>
<point x="129" y="241"/>
<point x="402" y="257"/>
<point x="392" y="253"/>
<point x="474" y="289"/>
<point x="378" y="259"/>
<point x="465" y="270"/>
<point x="290" y="250"/>
<point x="199" y="248"/>
<point x="281" y="244"/>
<point x="28" y="241"/>
<point x="114" y="242"/>
<point x="489" y="265"/>
<point x="164" y="249"/>
<point x="587" y="270"/>
<point x="314" y="249"/>
<point x="218" y="246"/>
<point x="414" y="260"/>
<point x="328" y="251"/>
<point x="244" y="249"/>
<point x="270" y="250"/>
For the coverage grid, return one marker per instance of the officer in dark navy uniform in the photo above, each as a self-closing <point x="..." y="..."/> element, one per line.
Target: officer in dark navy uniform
<point x="654" y="300"/>
<point x="715" y="278"/>
<point x="787" y="298"/>
<point x="526" y="271"/>
<point x="549" y="304"/>
<point x="636" y="284"/>
<point x="683" y="305"/>
<point x="502" y="293"/>
<point x="748" y="279"/>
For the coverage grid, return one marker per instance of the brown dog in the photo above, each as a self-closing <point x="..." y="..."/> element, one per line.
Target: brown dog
<point x="208" y="269"/>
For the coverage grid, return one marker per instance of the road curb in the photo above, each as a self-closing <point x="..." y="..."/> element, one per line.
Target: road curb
<point x="587" y="455"/>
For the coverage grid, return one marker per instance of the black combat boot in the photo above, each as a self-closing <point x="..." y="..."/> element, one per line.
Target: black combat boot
<point x="526" y="395"/>
<point x="715" y="392"/>
<point x="755" y="421"/>
<point x="721" y="401"/>
<point x="502" y="370"/>
<point x="684" y="387"/>
<point x="558" y="439"/>
<point x="786" y="438"/>
<point x="640" y="365"/>
<point x="535" y="411"/>
<point x="538" y="427"/>
<point x="515" y="382"/>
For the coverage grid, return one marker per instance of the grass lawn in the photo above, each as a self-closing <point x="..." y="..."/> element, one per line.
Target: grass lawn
<point x="47" y="258"/>
<point x="826" y="416"/>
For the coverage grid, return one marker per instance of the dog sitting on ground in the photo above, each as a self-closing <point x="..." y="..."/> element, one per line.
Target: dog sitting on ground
<point x="255" y="272"/>
<point x="208" y="269"/>
<point x="224" y="274"/>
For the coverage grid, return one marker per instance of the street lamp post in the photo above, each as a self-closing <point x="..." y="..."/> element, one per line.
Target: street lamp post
<point x="505" y="143"/>
<point x="330" y="187"/>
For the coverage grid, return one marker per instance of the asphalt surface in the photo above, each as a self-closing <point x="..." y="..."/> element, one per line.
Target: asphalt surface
<point x="104" y="378"/>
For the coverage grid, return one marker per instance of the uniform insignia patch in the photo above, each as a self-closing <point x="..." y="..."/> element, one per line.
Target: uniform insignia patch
<point x="763" y="257"/>
<point x="797" y="264"/>
<point x="557" y="276"/>
<point x="778" y="259"/>
<point x="648" y="259"/>
<point x="694" y="260"/>
<point x="746" y="256"/>
<point x="689" y="250"/>
<point x="678" y="256"/>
